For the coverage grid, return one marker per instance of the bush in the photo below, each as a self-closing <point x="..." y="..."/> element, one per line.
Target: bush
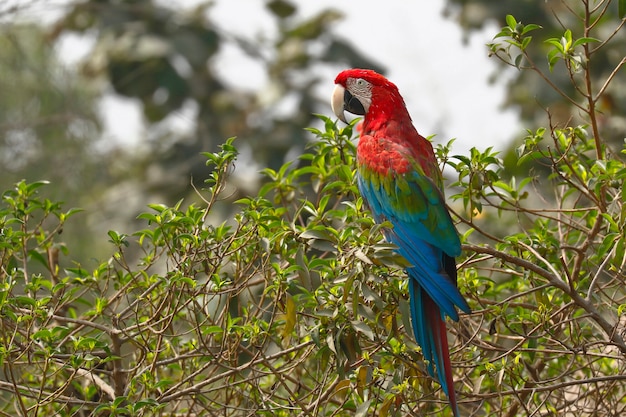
<point x="290" y="305"/>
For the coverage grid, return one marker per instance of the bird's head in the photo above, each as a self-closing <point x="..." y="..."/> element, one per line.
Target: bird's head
<point x="359" y="91"/>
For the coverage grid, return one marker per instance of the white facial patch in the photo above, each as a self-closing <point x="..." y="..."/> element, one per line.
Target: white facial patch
<point x="362" y="90"/>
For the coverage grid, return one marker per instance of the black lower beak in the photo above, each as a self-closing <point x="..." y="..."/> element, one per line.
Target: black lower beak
<point x="352" y="104"/>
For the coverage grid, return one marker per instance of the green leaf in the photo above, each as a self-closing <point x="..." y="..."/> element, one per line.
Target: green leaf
<point x="37" y="256"/>
<point x="70" y="213"/>
<point x="23" y="300"/>
<point x="556" y="43"/>
<point x="529" y="27"/>
<point x="151" y="218"/>
<point x="148" y="402"/>
<point x="582" y="41"/>
<point x="361" y="327"/>
<point x="117" y="238"/>
<point x="31" y="187"/>
<point x="510" y="20"/>
<point x="553" y="58"/>
<point x="317" y="234"/>
<point x="159" y="208"/>
<point x="290" y="317"/>
<point x="212" y="329"/>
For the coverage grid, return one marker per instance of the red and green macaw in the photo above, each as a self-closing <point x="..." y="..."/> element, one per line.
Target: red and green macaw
<point x="398" y="177"/>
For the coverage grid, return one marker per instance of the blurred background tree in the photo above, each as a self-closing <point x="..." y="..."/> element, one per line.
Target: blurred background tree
<point x="166" y="58"/>
<point x="48" y="121"/>
<point x="47" y="113"/>
<point x="540" y="106"/>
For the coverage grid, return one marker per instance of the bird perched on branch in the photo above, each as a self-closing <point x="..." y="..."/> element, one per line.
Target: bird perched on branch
<point x="399" y="179"/>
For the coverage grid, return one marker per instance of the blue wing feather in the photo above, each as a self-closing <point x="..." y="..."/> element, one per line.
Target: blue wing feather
<point x="418" y="241"/>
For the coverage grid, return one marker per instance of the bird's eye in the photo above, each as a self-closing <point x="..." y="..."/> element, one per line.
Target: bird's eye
<point x="360" y="82"/>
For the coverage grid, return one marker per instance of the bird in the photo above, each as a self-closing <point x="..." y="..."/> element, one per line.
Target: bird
<point x="401" y="183"/>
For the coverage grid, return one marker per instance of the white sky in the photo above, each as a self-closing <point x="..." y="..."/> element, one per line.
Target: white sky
<point x="444" y="83"/>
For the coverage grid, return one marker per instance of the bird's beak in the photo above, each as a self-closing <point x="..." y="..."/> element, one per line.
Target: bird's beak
<point x="337" y="102"/>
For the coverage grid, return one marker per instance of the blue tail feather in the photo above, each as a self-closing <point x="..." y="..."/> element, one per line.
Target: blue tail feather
<point x="430" y="333"/>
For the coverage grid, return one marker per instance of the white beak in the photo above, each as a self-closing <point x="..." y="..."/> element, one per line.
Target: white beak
<point x="337" y="102"/>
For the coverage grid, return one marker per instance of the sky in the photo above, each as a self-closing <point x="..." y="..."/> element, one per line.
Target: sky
<point x="444" y="82"/>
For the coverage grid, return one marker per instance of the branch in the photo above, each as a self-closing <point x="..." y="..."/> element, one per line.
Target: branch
<point x="554" y="387"/>
<point x="610" y="78"/>
<point x="553" y="279"/>
<point x="172" y="394"/>
<point x="28" y="392"/>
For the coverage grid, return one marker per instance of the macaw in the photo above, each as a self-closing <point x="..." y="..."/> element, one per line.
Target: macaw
<point x="400" y="181"/>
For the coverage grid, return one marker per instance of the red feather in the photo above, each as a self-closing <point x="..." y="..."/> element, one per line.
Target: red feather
<point x="438" y="325"/>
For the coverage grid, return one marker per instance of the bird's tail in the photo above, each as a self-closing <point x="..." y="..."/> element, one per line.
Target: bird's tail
<point x="430" y="331"/>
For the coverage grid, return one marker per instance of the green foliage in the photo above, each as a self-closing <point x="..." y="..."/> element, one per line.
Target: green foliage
<point x="517" y="37"/>
<point x="549" y="268"/>
<point x="297" y="304"/>
<point x="565" y="49"/>
<point x="294" y="300"/>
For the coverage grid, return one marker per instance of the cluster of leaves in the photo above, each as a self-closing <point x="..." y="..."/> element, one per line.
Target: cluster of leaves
<point x="568" y="27"/>
<point x="550" y="333"/>
<point x="293" y="306"/>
